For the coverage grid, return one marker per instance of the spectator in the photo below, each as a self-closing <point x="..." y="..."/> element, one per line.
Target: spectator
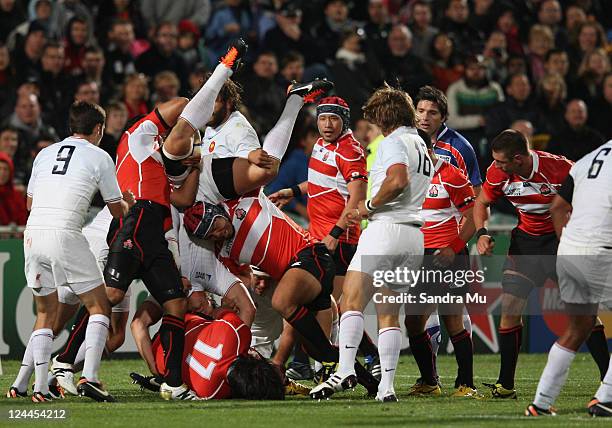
<point x="551" y="93"/>
<point x="262" y="96"/>
<point x="27" y="57"/>
<point x="157" y="11"/>
<point x="41" y="15"/>
<point x="551" y="15"/>
<point x="166" y="87"/>
<point x="27" y="119"/>
<point x="41" y="142"/>
<point x="446" y="67"/>
<point x="11" y="15"/>
<point x="361" y="132"/>
<point x="495" y="55"/>
<point x="541" y="41"/>
<point x="196" y="77"/>
<point x="378" y="26"/>
<point x="595" y="65"/>
<point x="226" y="24"/>
<point x="557" y="61"/>
<point x="55" y="87"/>
<point x="574" y="18"/>
<point x="575" y="139"/>
<point x="188" y="39"/>
<point x="116" y="118"/>
<point x="526" y="128"/>
<point x="288" y="36"/>
<point x="63" y="12"/>
<point x="292" y="68"/>
<point x="8" y="84"/>
<point x="12" y="202"/>
<point x="483" y="16"/>
<point x="327" y="34"/>
<point x="87" y="90"/>
<point x="119" y="58"/>
<point x="401" y="65"/>
<point x="590" y="36"/>
<point x="506" y="23"/>
<point x="422" y="30"/>
<point x="355" y="73"/>
<point x="601" y="113"/>
<point x="136" y="95"/>
<point x="93" y="70"/>
<point x="9" y="141"/>
<point x="470" y="98"/>
<point x="517" y="105"/>
<point x="163" y="56"/>
<point x="74" y="45"/>
<point x="516" y="64"/>
<point x="111" y="10"/>
<point x="456" y="24"/>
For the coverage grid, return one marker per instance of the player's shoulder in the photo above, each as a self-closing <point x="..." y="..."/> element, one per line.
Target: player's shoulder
<point x="455" y="139"/>
<point x="495" y="176"/>
<point x="549" y="159"/>
<point x="238" y="121"/>
<point x="349" y="148"/>
<point x="453" y="175"/>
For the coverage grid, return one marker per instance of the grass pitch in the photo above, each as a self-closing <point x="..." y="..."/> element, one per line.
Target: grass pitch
<point x="145" y="409"/>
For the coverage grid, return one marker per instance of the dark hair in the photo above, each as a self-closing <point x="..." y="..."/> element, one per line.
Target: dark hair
<point x="292" y="56"/>
<point x="92" y="49"/>
<point x="426" y="138"/>
<point x="230" y="91"/>
<point x="164" y="24"/>
<point x="255" y="379"/>
<point x="9" y="128"/>
<point x="389" y="108"/>
<point x="52" y="44"/>
<point x="554" y="51"/>
<point x="434" y="95"/>
<point x="511" y="143"/>
<point x="120" y="21"/>
<point x="84" y="117"/>
<point x="511" y="78"/>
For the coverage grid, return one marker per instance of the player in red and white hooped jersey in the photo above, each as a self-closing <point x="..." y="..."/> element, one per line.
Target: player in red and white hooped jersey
<point x="217" y="363"/>
<point x="449" y="224"/>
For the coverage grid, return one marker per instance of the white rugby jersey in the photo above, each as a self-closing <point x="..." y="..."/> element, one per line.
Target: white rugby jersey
<point x="591" y="221"/>
<point x="403" y="146"/>
<point x="101" y="222"/>
<point x="65" y="177"/>
<point x="233" y="138"/>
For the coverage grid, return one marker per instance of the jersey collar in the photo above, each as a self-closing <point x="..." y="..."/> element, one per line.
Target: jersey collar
<point x="442" y="131"/>
<point x="535" y="167"/>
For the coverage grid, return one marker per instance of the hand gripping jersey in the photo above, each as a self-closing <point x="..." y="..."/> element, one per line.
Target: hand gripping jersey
<point x="263" y="236"/>
<point x="449" y="194"/>
<point x="65" y="177"/>
<point x="456" y="150"/>
<point x="140" y="167"/>
<point x="211" y="346"/>
<point x="330" y="169"/>
<point x="233" y="138"/>
<point x="531" y="196"/>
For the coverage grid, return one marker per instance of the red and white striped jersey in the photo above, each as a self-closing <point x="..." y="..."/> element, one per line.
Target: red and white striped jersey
<point x="531" y="196"/>
<point x="140" y="167"/>
<point x="450" y="193"/>
<point x="263" y="236"/>
<point x="330" y="169"/>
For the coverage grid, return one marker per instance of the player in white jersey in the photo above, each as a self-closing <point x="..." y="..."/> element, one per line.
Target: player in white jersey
<point x="393" y="240"/>
<point x="583" y="267"/>
<point x="65" y="177"/>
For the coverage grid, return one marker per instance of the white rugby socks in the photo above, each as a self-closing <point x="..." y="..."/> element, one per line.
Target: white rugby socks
<point x="433" y="327"/>
<point x="604" y="393"/>
<point x="277" y="140"/>
<point x="351" y="331"/>
<point x="200" y="108"/>
<point x="389" y="345"/>
<point x="554" y="376"/>
<point x="26" y="369"/>
<point x="41" y="341"/>
<point x="95" y="339"/>
<point x="80" y="356"/>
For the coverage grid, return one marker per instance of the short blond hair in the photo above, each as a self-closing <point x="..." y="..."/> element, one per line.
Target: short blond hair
<point x="389" y="108"/>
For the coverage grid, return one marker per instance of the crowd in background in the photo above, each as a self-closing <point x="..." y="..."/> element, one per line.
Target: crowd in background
<point x="540" y="66"/>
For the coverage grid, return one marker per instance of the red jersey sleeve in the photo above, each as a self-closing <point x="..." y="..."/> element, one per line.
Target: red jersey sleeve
<point x="460" y="190"/>
<point x="351" y="162"/>
<point x="494" y="183"/>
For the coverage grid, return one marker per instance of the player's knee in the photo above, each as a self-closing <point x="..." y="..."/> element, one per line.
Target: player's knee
<point x="115" y="296"/>
<point x="282" y="304"/>
<point x="179" y="140"/>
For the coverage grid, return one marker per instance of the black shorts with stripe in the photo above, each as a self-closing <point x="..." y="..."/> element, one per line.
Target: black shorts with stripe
<point x="138" y="250"/>
<point x="342" y="257"/>
<point x="317" y="261"/>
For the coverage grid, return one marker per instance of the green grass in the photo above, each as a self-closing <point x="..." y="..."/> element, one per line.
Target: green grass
<point x="145" y="409"/>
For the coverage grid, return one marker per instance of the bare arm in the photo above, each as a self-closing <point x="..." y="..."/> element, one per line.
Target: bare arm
<point x="29" y="203"/>
<point x="560" y="211"/>
<point x="284" y="196"/>
<point x="481" y="216"/>
<point x="185" y="196"/>
<point x="394" y="184"/>
<point x="118" y="209"/>
<point x="358" y="190"/>
<point x="171" y="110"/>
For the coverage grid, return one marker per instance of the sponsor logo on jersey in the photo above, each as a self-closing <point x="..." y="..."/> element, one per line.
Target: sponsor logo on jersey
<point x="545" y="189"/>
<point x="514" y="189"/>
<point x="211" y="147"/>
<point x="127" y="244"/>
<point x="325" y="156"/>
<point x="445" y="158"/>
<point x="203" y="275"/>
<point x="433" y="191"/>
<point x="240" y="213"/>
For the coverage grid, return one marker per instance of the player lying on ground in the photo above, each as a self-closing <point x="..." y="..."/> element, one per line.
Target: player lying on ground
<point x="253" y="231"/>
<point x="64" y="179"/>
<point x="447" y="211"/>
<point x="529" y="179"/>
<point x="337" y="180"/>
<point x="400" y="177"/>
<point x="217" y="363"/>
<point x="585" y="277"/>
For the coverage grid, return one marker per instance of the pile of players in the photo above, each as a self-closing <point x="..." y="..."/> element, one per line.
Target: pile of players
<point x="187" y="216"/>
